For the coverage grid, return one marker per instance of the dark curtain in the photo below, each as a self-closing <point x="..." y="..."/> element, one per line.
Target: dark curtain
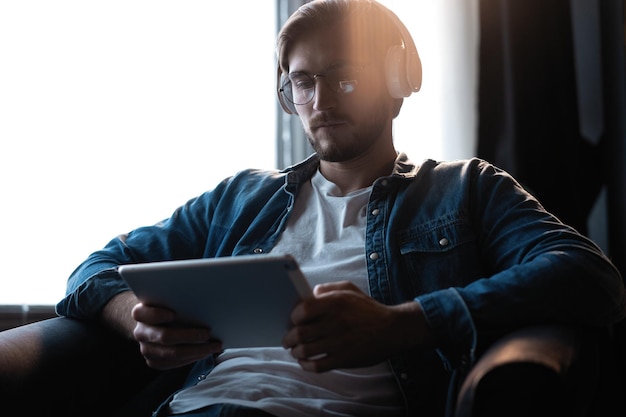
<point x="564" y="140"/>
<point x="531" y="108"/>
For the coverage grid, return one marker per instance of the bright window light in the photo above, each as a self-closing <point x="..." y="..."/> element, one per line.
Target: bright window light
<point x="439" y="122"/>
<point x="113" y="113"/>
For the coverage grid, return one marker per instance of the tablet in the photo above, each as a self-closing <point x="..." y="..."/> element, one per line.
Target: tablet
<point x="245" y="300"/>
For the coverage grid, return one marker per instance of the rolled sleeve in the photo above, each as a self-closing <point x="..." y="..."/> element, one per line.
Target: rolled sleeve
<point x="86" y="300"/>
<point x="451" y="322"/>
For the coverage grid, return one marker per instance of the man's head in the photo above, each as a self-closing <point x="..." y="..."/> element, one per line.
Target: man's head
<point x="342" y="68"/>
<point x="371" y="32"/>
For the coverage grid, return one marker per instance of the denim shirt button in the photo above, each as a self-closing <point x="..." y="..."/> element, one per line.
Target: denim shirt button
<point x="375" y="212"/>
<point x="374" y="256"/>
<point x="201" y="377"/>
<point x="258" y="250"/>
<point x="444" y="242"/>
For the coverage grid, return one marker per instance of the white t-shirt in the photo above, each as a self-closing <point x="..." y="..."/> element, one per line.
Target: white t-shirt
<point x="270" y="378"/>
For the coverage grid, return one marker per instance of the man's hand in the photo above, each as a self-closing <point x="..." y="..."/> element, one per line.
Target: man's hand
<point x="164" y="343"/>
<point x="167" y="344"/>
<point x="343" y="328"/>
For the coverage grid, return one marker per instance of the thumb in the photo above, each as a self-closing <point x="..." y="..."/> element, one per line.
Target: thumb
<point x="327" y="287"/>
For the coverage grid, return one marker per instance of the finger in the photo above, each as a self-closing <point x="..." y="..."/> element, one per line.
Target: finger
<point x="152" y="314"/>
<point x="321" y="363"/>
<point x="321" y="289"/>
<point x="310" y="351"/>
<point x="300" y="334"/>
<point x="307" y="311"/>
<point x="171" y="335"/>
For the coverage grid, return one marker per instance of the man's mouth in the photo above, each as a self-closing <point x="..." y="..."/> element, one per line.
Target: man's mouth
<point x="325" y="124"/>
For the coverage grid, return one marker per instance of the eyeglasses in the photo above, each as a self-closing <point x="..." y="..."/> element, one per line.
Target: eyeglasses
<point x="299" y="87"/>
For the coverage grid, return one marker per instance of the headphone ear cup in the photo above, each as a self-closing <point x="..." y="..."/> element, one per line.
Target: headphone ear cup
<point x="395" y="71"/>
<point x="414" y="71"/>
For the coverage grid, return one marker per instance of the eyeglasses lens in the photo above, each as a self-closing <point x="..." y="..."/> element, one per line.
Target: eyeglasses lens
<point x="299" y="87"/>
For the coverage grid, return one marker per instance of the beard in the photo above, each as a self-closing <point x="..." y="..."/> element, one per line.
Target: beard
<point x="348" y="142"/>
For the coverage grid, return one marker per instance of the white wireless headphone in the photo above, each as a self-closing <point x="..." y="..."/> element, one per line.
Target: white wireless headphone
<point x="403" y="67"/>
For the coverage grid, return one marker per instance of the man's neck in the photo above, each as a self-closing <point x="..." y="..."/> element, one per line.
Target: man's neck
<point x="361" y="172"/>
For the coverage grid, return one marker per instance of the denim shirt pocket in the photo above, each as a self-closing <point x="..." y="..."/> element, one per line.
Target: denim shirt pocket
<point x="439" y="254"/>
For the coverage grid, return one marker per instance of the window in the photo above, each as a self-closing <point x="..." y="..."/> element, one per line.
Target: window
<point x="439" y="122"/>
<point x="114" y="113"/>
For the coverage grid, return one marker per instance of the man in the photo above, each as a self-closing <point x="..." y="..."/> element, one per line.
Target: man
<point x="415" y="266"/>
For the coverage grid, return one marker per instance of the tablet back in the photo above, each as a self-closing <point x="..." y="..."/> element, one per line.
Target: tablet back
<point x="245" y="300"/>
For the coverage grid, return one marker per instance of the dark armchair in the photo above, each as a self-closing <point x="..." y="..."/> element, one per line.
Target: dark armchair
<point x="65" y="367"/>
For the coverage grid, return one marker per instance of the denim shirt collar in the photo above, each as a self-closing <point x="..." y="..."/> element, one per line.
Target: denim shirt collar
<point x="403" y="168"/>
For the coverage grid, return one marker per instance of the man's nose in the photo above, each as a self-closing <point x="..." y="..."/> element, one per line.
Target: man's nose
<point x="325" y="97"/>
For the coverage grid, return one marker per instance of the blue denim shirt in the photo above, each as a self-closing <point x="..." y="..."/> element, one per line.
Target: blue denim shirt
<point x="462" y="238"/>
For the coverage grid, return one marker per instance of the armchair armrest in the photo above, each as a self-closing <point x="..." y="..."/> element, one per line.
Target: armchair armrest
<point x="538" y="371"/>
<point x="75" y="368"/>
